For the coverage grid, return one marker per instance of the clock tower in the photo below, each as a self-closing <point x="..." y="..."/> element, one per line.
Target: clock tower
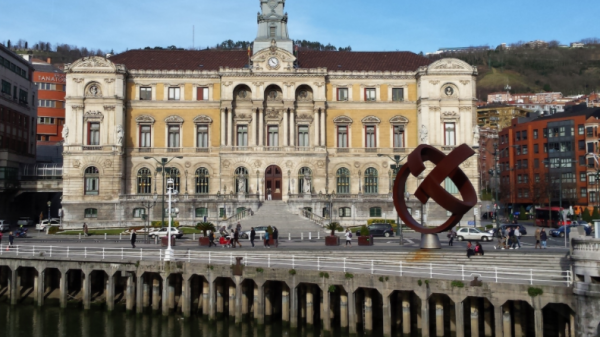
<point x="272" y="25"/>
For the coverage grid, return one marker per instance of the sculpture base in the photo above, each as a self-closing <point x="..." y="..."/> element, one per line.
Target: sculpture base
<point x="307" y="196"/>
<point x="430" y="241"/>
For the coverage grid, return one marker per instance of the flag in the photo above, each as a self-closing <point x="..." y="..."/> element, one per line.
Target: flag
<point x="249" y="51"/>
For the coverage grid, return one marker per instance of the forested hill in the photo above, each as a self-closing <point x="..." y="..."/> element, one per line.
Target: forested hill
<point x="567" y="70"/>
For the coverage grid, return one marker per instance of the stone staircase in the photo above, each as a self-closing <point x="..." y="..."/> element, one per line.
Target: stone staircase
<point x="275" y="213"/>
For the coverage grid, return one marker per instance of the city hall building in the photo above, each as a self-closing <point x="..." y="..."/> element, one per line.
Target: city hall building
<point x="312" y="128"/>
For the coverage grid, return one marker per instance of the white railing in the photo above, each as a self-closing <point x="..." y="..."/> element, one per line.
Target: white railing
<point x="389" y="267"/>
<point x="319" y="220"/>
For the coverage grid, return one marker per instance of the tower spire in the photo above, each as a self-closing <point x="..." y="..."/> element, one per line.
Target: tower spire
<point x="272" y="25"/>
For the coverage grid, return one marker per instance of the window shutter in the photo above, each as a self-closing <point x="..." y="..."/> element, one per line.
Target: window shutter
<point x="89" y="133"/>
<point x="337" y="94"/>
<point x="365" y="94"/>
<point x="200" y="93"/>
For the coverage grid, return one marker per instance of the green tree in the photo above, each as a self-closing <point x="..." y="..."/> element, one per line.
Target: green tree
<point x="522" y="213"/>
<point x="595" y="214"/>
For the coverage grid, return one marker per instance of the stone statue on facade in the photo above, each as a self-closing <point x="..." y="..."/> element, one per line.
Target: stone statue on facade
<point x="423" y="134"/>
<point x="65" y="134"/>
<point x="241" y="183"/>
<point x="119" y="135"/>
<point x="306" y="188"/>
<point x="476" y="135"/>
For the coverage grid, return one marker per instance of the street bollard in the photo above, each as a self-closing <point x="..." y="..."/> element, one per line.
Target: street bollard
<point x="194" y="237"/>
<point x="104" y="236"/>
<point x="318" y="235"/>
<point x="301" y="236"/>
<point x="79" y="236"/>
<point x="309" y="236"/>
<point x="289" y="237"/>
<point x="120" y="236"/>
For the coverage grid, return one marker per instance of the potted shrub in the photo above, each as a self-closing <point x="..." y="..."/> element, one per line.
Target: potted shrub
<point x="205" y="227"/>
<point x="365" y="238"/>
<point x="333" y="240"/>
<point x="165" y="243"/>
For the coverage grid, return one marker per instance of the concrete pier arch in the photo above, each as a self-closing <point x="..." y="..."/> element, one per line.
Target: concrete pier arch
<point x="558" y="320"/>
<point x="405" y="312"/>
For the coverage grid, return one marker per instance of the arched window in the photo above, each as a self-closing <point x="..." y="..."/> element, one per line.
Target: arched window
<point x="304" y="173"/>
<point x="144" y="181"/>
<point x="371" y="181"/>
<point x="343" y="180"/>
<point x="241" y="173"/>
<point x="176" y="176"/>
<point x="202" y="181"/>
<point x="92" y="180"/>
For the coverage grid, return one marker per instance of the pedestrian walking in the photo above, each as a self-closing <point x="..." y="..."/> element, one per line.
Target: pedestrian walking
<point x="268" y="194"/>
<point x="451" y="235"/>
<point x="236" y="238"/>
<point x="266" y="242"/>
<point x="252" y="236"/>
<point x="348" y="236"/>
<point x="470" y="251"/>
<point x="211" y="239"/>
<point x="511" y="238"/>
<point x="538" y="239"/>
<point x="85" y="229"/>
<point x="543" y="238"/>
<point x="238" y="226"/>
<point x="276" y="237"/>
<point x="11" y="238"/>
<point x="133" y="238"/>
<point x="518" y="237"/>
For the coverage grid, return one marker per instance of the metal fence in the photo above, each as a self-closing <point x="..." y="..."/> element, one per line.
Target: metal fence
<point x="390" y="267"/>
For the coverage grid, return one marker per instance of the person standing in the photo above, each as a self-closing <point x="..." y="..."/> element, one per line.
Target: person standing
<point x="275" y="237"/>
<point x="543" y="238"/>
<point x="85" y="229"/>
<point x="133" y="238"/>
<point x="11" y="238"/>
<point x="538" y="233"/>
<point x="266" y="243"/>
<point x="451" y="235"/>
<point x="470" y="250"/>
<point x="511" y="238"/>
<point x="268" y="194"/>
<point x="236" y="238"/>
<point x="211" y="239"/>
<point x="518" y="237"/>
<point x="252" y="236"/>
<point x="348" y="236"/>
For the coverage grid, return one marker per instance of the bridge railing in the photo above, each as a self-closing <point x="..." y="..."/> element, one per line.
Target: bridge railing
<point x="514" y="274"/>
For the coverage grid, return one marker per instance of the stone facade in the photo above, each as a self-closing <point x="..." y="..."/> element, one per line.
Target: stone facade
<point x="286" y="123"/>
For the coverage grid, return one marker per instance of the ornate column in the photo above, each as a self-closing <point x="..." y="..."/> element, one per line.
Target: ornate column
<point x="317" y="128"/>
<point x="292" y="127"/>
<point x="323" y="128"/>
<point x="254" y="140"/>
<point x="223" y="128"/>
<point x="285" y="127"/>
<point x="261" y="127"/>
<point x="229" y="127"/>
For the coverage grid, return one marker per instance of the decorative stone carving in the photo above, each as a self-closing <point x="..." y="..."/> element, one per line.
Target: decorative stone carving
<point x="273" y="95"/>
<point x="434" y="82"/>
<point x="93" y="90"/>
<point x="92" y="61"/>
<point x="258" y="84"/>
<point x="107" y="163"/>
<point x="145" y="119"/>
<point x="465" y="82"/>
<point x="227" y="83"/>
<point x="435" y="109"/>
<point x="93" y="115"/>
<point x="371" y="120"/>
<point x="475" y="136"/>
<point x="242" y="117"/>
<point x="304" y="117"/>
<point x="304" y="96"/>
<point x="78" y="80"/>
<point x="109" y="80"/>
<point x="173" y="119"/>
<point x="272" y="114"/>
<point x="423" y="134"/>
<point x="356" y="164"/>
<point x="109" y="107"/>
<point x="384" y="164"/>
<point x="257" y="163"/>
<point x="450" y="114"/>
<point x="465" y="108"/>
<point x="289" y="84"/>
<point x="202" y="119"/>
<point x="289" y="164"/>
<point x="77" y="107"/>
<point x="307" y="183"/>
<point x="342" y="120"/>
<point x="76" y="163"/>
<point x="398" y="119"/>
<point x="449" y="65"/>
<point x="119" y="135"/>
<point x="319" y="84"/>
<point x="320" y="164"/>
<point x="65" y="135"/>
<point x="188" y="164"/>
<point x="226" y="164"/>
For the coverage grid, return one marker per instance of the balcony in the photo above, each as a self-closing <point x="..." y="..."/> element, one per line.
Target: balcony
<point x="92" y="148"/>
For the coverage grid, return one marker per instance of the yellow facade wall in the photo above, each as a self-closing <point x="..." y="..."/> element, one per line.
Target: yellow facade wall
<point x="217" y="92"/>
<point x="412" y="92"/>
<point x="385" y="128"/>
<point x="356" y="92"/>
<point x="160" y="91"/>
<point x="329" y="94"/>
<point x="131" y="94"/>
<point x="187" y="91"/>
<point x="188" y="126"/>
<point x="383" y="92"/>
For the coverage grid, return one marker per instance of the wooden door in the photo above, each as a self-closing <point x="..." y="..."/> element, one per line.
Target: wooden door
<point x="273" y="182"/>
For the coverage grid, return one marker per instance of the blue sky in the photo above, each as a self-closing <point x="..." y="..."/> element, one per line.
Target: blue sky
<point x="367" y="25"/>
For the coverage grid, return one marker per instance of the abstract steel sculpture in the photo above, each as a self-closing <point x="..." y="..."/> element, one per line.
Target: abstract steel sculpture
<point x="447" y="166"/>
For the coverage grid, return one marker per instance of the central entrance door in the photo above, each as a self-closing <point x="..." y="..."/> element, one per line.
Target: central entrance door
<point x="273" y="182"/>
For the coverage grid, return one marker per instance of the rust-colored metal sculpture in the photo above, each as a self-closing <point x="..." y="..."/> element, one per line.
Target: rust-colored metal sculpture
<point x="447" y="166"/>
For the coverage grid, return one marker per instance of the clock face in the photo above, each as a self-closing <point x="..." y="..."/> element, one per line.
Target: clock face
<point x="273" y="62"/>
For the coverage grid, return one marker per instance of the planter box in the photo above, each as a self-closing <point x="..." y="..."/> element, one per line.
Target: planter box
<point x="165" y="243"/>
<point x="204" y="241"/>
<point x="365" y="240"/>
<point x="332" y="241"/>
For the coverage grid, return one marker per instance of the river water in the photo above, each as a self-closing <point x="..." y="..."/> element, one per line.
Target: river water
<point x="30" y="321"/>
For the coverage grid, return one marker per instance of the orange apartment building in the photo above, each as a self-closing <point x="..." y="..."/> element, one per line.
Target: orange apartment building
<point x="50" y="82"/>
<point x="537" y="152"/>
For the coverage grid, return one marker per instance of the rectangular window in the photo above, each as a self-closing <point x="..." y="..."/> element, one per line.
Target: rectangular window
<point x="242" y="135"/>
<point x="590" y="147"/>
<point x="580" y="129"/>
<point x="303" y="135"/>
<point x="202" y="94"/>
<point x="589" y="131"/>
<point x="525" y="163"/>
<point x="536" y="177"/>
<point x="518" y="135"/>
<point x="370" y="139"/>
<point x="93" y="133"/>
<point x="272" y="135"/>
<point x="581" y="144"/>
<point x="370" y="94"/>
<point x="536" y="163"/>
<point x="345" y="212"/>
<point x="581" y="160"/>
<point x="398" y="94"/>
<point x="582" y="176"/>
<point x="562" y="131"/>
<point x="398" y="136"/>
<point x="44" y="103"/>
<point x="524" y="149"/>
<point x="23" y="97"/>
<point x="174" y="136"/>
<point x="342" y="94"/>
<point x="525" y="178"/>
<point x="546" y="148"/>
<point x="518" y="149"/>
<point x="545" y="131"/>
<point x="591" y="178"/>
<point x="145" y="133"/>
<point x="536" y="148"/>
<point x="221" y="212"/>
<point x="590" y="162"/>
<point x="592" y="196"/>
<point x="450" y="186"/>
<point x="342" y="136"/>
<point x="201" y="212"/>
<point x="519" y="179"/>
<point x="91" y="213"/>
<point x="202" y="136"/>
<point x="524" y="135"/>
<point x="139" y="212"/>
<point x="375" y="212"/>
<point x="45" y="120"/>
<point x="449" y="134"/>
<point x="6" y="87"/>
<point x="272" y="31"/>
<point x="174" y="93"/>
<point x="146" y="93"/>
<point x="535" y="134"/>
<point x="584" y="192"/>
<point x="91" y="186"/>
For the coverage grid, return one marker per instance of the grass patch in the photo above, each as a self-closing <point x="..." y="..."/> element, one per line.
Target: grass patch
<point x="95" y="232"/>
<point x="457" y="284"/>
<point x="533" y="291"/>
<point x="189" y="230"/>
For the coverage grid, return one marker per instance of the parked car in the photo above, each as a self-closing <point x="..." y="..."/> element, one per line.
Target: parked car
<point x="162" y="232"/>
<point x="260" y="230"/>
<point x="42" y="226"/>
<point x="473" y="234"/>
<point x="560" y="232"/>
<point x="507" y="227"/>
<point x="4" y="226"/>
<point x="381" y="229"/>
<point x="24" y="221"/>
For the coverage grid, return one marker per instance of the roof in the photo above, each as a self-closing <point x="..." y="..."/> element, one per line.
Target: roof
<point x="213" y="59"/>
<point x="46" y="68"/>
<point x="580" y="110"/>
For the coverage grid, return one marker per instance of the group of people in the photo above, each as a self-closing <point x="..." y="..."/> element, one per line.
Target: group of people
<point x="509" y="238"/>
<point x="541" y="238"/>
<point x="477" y="250"/>
<point x="232" y="239"/>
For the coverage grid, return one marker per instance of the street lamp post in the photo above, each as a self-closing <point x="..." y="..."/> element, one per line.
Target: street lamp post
<point x="396" y="168"/>
<point x="49" y="204"/>
<point x="162" y="163"/>
<point x="171" y="192"/>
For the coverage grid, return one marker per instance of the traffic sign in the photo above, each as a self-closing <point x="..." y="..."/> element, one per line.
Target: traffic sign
<point x="476" y="211"/>
<point x="488" y="206"/>
<point x="471" y="223"/>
